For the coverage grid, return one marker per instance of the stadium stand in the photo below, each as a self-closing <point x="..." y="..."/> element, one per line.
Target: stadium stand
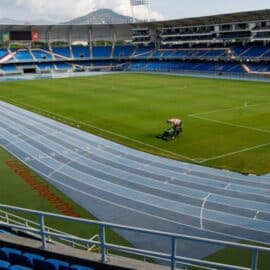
<point x="103" y="52"/>
<point x="80" y="52"/>
<point x="42" y="55"/>
<point x="16" y="259"/>
<point x="223" y="43"/>
<point x="123" y="51"/>
<point x="216" y="60"/>
<point x="62" y="51"/>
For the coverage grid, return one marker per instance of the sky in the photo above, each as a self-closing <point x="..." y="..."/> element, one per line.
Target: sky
<point x="63" y="10"/>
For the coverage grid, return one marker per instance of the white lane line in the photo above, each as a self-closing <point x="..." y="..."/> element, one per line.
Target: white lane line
<point x="42" y="130"/>
<point x="45" y="120"/>
<point x="77" y="180"/>
<point x="256" y="216"/>
<point x="67" y="163"/>
<point x="162" y="174"/>
<point x="31" y="138"/>
<point x="202" y="209"/>
<point x="60" y="117"/>
<point x="46" y="157"/>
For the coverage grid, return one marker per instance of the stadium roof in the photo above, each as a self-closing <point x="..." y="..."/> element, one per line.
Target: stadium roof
<point x="257" y="15"/>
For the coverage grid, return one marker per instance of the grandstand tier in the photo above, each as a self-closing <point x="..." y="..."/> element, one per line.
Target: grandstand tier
<point x="236" y="43"/>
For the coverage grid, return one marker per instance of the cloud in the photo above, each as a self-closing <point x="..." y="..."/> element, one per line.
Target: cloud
<point x="61" y="10"/>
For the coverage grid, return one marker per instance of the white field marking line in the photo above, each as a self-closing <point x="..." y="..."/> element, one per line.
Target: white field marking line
<point x="138" y="211"/>
<point x="237" y="152"/>
<point x="196" y="115"/>
<point x="229" y="109"/>
<point x="202" y="209"/>
<point x="234" y="152"/>
<point x="257" y="213"/>
<point x="231" y="124"/>
<point x="60" y="117"/>
<point x="76" y="152"/>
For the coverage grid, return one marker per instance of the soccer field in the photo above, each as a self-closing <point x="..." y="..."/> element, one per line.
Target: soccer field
<point x="226" y="123"/>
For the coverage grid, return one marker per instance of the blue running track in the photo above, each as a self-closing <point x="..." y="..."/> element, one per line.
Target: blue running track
<point x="121" y="185"/>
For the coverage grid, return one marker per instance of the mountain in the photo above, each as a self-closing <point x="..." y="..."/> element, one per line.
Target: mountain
<point x="9" y="21"/>
<point x="101" y="16"/>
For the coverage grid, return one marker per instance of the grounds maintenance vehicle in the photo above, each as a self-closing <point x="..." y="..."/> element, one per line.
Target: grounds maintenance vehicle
<point x="174" y="131"/>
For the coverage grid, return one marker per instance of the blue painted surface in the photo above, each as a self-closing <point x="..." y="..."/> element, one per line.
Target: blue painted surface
<point x="123" y="185"/>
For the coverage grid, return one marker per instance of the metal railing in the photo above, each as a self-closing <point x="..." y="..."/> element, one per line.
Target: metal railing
<point x="171" y="257"/>
<point x="11" y="219"/>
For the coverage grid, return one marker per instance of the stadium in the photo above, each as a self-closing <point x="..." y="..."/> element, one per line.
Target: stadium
<point x="90" y="179"/>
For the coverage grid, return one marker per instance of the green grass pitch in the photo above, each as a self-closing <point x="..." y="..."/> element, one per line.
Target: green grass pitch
<point x="226" y="123"/>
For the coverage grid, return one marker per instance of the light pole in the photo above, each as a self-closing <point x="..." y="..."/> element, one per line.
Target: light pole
<point x="137" y="4"/>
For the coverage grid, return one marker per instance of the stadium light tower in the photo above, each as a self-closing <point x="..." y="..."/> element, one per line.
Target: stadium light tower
<point x="137" y="4"/>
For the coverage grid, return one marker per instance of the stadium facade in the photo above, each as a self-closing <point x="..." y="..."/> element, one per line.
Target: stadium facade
<point x="235" y="44"/>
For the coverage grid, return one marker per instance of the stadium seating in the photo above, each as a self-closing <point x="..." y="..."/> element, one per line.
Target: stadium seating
<point x="10" y="68"/>
<point x="260" y="67"/>
<point x="215" y="58"/>
<point x="62" y="51"/>
<point x="24" y="55"/>
<point x="123" y="51"/>
<point x="80" y="52"/>
<point x="16" y="259"/>
<point x="173" y="66"/>
<point x="255" y="51"/>
<point x="3" y="52"/>
<point x="143" y="53"/>
<point x="63" y="66"/>
<point x="101" y="63"/>
<point x="46" y="66"/>
<point x="42" y="55"/>
<point x="103" y="52"/>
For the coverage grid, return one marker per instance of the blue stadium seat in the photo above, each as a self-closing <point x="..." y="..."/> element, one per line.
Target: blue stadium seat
<point x="23" y="55"/>
<point x="102" y="52"/>
<point x="7" y="251"/>
<point x="80" y="267"/>
<point x="4" y="263"/>
<point x="62" y="51"/>
<point x="123" y="51"/>
<point x="42" y="55"/>
<point x="58" y="263"/>
<point x="81" y="52"/>
<point x="3" y="255"/>
<point x="44" y="265"/>
<point x="4" y="268"/>
<point x="4" y="232"/>
<point x="32" y="256"/>
<point x="20" y="259"/>
<point x="3" y="52"/>
<point x="19" y="267"/>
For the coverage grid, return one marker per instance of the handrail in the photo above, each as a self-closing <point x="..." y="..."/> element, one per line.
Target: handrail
<point x="11" y="219"/>
<point x="172" y="257"/>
